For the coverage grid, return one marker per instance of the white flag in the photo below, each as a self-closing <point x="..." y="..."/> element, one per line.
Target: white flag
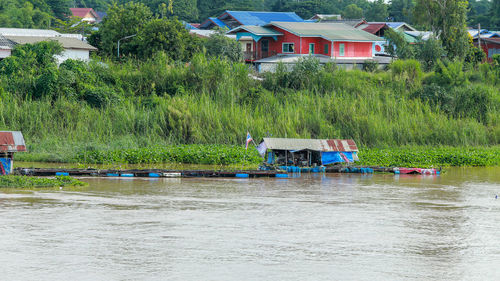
<point x="262" y="149"/>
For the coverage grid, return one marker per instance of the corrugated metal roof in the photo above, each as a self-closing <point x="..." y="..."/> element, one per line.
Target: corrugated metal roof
<point x="425" y="35"/>
<point x="261" y="18"/>
<point x="5" y="43"/>
<point x="372" y="27"/>
<point x="12" y="141"/>
<point x="257" y="30"/>
<point x="28" y="32"/>
<point x="325" y="145"/>
<point x="212" y="20"/>
<point x="218" y="22"/>
<point x="329" y="31"/>
<point x="350" y="22"/>
<point x="326" y="17"/>
<point x="66" y="42"/>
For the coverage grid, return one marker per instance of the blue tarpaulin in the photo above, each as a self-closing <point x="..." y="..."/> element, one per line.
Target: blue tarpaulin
<point x="270" y="158"/>
<point x="336" y="157"/>
<point x="6" y="164"/>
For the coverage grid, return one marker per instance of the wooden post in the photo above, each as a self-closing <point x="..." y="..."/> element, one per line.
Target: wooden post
<point x="479" y="35"/>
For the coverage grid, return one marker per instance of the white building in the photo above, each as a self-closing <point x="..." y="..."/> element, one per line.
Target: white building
<point x="73" y="44"/>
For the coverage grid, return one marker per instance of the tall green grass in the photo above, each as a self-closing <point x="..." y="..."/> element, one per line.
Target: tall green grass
<point x="108" y="106"/>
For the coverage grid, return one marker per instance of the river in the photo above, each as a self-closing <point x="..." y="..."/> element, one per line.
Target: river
<point x="314" y="227"/>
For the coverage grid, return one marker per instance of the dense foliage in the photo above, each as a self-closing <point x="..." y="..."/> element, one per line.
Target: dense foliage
<point x="426" y="157"/>
<point x="38" y="13"/>
<point x="31" y="182"/>
<point x="106" y="105"/>
<point x="185" y="154"/>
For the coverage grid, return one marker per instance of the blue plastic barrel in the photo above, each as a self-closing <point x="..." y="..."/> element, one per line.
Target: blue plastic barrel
<point x="242" y="175"/>
<point x="154" y="175"/>
<point x="282" y="175"/>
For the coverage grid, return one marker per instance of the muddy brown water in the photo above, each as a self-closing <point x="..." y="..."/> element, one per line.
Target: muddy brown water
<point x="314" y="227"/>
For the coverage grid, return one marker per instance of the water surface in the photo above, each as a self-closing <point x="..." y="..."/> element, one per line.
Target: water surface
<point x="316" y="227"/>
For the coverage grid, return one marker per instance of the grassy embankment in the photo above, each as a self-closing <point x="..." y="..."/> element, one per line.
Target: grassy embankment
<point x="123" y="112"/>
<point x="35" y="182"/>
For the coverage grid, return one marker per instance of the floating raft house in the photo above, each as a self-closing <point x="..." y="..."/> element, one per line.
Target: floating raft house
<point x="308" y="152"/>
<point x="10" y="143"/>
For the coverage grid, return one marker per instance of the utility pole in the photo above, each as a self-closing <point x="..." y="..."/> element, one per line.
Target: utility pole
<point x="118" y="48"/>
<point x="479" y="35"/>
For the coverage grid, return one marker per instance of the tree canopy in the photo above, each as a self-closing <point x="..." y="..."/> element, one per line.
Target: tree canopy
<point x="19" y="13"/>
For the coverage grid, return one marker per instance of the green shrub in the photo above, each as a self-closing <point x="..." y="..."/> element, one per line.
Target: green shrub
<point x="370" y="65"/>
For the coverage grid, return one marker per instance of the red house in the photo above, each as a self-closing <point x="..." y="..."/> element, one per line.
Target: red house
<point x="490" y="46"/>
<point x="325" y="40"/>
<point x="86" y="14"/>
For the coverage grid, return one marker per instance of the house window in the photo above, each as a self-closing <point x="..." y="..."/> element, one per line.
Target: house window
<point x="325" y="49"/>
<point x="311" y="48"/>
<point x="264" y="46"/>
<point x="341" y="50"/>
<point x="288" y="48"/>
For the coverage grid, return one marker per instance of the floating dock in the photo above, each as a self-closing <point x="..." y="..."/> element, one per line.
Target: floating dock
<point x="160" y="173"/>
<point x="149" y="173"/>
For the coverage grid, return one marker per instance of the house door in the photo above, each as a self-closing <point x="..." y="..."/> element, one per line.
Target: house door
<point x="264" y="48"/>
<point x="311" y="48"/>
<point x="248" y="52"/>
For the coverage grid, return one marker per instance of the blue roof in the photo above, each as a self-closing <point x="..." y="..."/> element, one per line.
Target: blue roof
<point x="218" y="22"/>
<point x="188" y="26"/>
<point x="394" y="24"/>
<point x="213" y="20"/>
<point x="262" y="18"/>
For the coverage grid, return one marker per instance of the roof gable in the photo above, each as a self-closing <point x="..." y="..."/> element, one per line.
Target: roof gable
<point x="373" y="27"/>
<point x="212" y="21"/>
<point x="82" y="12"/>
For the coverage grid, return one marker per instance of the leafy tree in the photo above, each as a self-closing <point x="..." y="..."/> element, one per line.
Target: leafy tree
<point x="447" y="19"/>
<point x="429" y="52"/>
<point x="352" y="11"/>
<point x="122" y="20"/>
<point x="495" y="15"/>
<point x="398" y="46"/>
<point x="401" y="10"/>
<point x="182" y="9"/>
<point x="304" y="9"/>
<point x="97" y="5"/>
<point x="218" y="45"/>
<point x="168" y="36"/>
<point x="60" y="8"/>
<point x="72" y="25"/>
<point x="478" y="13"/>
<point x="35" y="64"/>
<point x="377" y="11"/>
<point x="23" y="15"/>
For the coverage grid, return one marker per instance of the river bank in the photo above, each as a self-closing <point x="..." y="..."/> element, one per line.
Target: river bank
<point x="236" y="157"/>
